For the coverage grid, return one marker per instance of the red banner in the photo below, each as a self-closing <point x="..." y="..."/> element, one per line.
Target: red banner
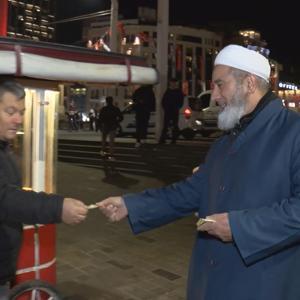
<point x="178" y="58"/>
<point x="185" y="87"/>
<point x="3" y="17"/>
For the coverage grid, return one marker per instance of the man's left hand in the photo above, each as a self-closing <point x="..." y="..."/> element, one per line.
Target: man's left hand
<point x="220" y="228"/>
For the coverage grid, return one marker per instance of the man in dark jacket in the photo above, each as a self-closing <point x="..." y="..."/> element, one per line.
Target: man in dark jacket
<point x="16" y="205"/>
<point x="172" y="101"/>
<point x="143" y="103"/>
<point x="110" y="117"/>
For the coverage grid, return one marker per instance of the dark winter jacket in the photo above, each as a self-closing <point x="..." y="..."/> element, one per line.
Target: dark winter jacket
<point x="17" y="207"/>
<point x="143" y="100"/>
<point x="109" y="118"/>
<point x="172" y="101"/>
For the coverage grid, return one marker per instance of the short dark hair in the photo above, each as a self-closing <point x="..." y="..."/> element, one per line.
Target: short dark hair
<point x="13" y="88"/>
<point x="109" y="100"/>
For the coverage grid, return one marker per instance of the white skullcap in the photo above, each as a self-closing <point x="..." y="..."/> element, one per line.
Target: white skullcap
<point x="244" y="59"/>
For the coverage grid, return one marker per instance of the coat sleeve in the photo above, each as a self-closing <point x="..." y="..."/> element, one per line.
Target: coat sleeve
<point x="29" y="207"/>
<point x="180" y="99"/>
<point x="120" y="116"/>
<point x="260" y="233"/>
<point x="164" y="101"/>
<point x="100" y="116"/>
<point x="155" y="207"/>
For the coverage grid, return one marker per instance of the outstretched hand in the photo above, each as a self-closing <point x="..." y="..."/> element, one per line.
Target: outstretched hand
<point x="74" y="211"/>
<point x="220" y="228"/>
<point x="113" y="208"/>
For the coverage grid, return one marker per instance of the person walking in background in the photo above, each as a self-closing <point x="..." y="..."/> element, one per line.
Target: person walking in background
<point x="110" y="117"/>
<point x="16" y="205"/>
<point x="172" y="101"/>
<point x="97" y="113"/>
<point x="92" y="117"/>
<point x="247" y="191"/>
<point x="143" y="103"/>
<point x="72" y="115"/>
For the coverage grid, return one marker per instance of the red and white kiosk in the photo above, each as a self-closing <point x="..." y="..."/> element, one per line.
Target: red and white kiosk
<point x="43" y="68"/>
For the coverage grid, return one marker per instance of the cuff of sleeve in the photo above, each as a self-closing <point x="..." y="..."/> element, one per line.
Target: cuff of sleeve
<point x="244" y="236"/>
<point x="237" y="234"/>
<point x="135" y="208"/>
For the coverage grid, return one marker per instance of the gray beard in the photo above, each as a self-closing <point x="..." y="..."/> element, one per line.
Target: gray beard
<point x="233" y="112"/>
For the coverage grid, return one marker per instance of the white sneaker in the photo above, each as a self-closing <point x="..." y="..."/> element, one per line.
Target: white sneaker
<point x="111" y="158"/>
<point x="102" y="153"/>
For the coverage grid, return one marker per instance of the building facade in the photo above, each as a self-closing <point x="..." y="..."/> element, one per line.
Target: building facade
<point x="190" y="53"/>
<point x="290" y="95"/>
<point x="30" y="19"/>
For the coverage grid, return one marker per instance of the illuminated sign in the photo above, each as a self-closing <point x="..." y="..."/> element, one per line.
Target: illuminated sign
<point x="264" y="51"/>
<point x="287" y="86"/>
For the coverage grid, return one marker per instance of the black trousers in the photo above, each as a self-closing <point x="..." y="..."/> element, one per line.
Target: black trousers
<point x="142" y="121"/>
<point x="170" y="120"/>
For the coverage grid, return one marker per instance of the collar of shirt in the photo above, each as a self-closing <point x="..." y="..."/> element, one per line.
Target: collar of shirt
<point x="3" y="145"/>
<point x="247" y="119"/>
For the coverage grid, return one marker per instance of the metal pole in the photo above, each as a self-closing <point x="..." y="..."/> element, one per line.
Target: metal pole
<point x="162" y="59"/>
<point x="113" y="25"/>
<point x="39" y="143"/>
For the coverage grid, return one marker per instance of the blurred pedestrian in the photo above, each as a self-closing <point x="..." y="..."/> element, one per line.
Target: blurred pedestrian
<point x="16" y="205"/>
<point x="172" y="101"/>
<point x="143" y="104"/>
<point x="72" y="115"/>
<point x="92" y="117"/>
<point x="110" y="117"/>
<point x="97" y="121"/>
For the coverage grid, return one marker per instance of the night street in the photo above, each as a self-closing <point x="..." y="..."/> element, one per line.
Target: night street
<point x="100" y="260"/>
<point x="102" y="100"/>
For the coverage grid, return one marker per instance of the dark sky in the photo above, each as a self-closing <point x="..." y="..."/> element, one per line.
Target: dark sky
<point x="278" y="23"/>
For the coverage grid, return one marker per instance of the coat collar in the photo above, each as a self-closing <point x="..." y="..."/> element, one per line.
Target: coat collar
<point x="253" y="128"/>
<point x="247" y="119"/>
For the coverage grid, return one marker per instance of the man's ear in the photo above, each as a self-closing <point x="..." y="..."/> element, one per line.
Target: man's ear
<point x="251" y="83"/>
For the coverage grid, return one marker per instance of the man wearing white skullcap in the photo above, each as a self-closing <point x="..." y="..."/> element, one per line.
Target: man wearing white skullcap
<point x="247" y="192"/>
<point x="244" y="59"/>
<point x="235" y="65"/>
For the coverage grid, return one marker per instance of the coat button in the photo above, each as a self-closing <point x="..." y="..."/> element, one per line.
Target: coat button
<point x="221" y="188"/>
<point x="212" y="262"/>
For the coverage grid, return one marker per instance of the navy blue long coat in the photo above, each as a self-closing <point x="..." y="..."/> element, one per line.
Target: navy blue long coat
<point x="254" y="176"/>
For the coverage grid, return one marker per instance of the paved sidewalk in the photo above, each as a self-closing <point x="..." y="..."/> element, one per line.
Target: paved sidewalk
<point x="96" y="136"/>
<point x="100" y="260"/>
